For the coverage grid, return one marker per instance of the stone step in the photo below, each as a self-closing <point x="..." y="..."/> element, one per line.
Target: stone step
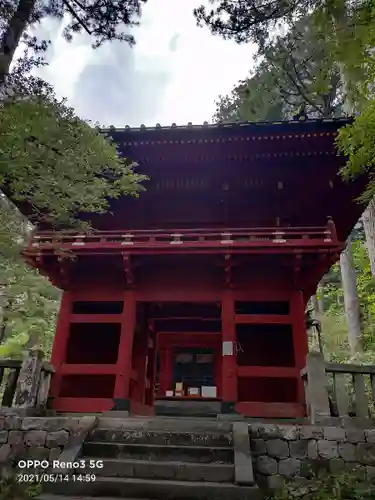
<point x="155" y="489"/>
<point x="202" y="454"/>
<point x="162" y="437"/>
<point x="180" y="424"/>
<point x="179" y="471"/>
<point x="187" y="407"/>
<point x="51" y="496"/>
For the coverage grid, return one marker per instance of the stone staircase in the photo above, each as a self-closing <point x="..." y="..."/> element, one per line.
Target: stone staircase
<point x="163" y="459"/>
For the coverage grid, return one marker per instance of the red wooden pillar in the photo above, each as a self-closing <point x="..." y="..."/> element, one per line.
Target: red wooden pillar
<point x="60" y="342"/>
<point x="229" y="385"/>
<point x="300" y="339"/>
<point x="125" y="351"/>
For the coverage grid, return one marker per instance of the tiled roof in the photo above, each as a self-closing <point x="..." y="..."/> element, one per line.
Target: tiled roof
<point x="223" y="125"/>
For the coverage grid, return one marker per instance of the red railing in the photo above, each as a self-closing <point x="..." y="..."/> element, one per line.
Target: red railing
<point x="184" y="238"/>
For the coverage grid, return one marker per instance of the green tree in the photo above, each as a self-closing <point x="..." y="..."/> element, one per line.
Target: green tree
<point x="49" y="158"/>
<point x="255" y="99"/>
<point x="103" y="20"/>
<point x="295" y="71"/>
<point x="61" y="167"/>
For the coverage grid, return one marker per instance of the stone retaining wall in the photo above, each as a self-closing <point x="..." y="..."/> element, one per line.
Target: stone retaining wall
<point x="35" y="437"/>
<point x="287" y="451"/>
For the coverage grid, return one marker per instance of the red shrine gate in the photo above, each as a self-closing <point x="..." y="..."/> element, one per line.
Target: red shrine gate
<point x="204" y="279"/>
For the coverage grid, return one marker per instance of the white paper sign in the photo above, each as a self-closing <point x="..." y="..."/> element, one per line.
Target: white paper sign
<point x="227" y="348"/>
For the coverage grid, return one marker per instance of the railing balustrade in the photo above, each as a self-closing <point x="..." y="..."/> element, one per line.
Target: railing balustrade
<point x="24" y="384"/>
<point x="338" y="390"/>
<point x="245" y="237"/>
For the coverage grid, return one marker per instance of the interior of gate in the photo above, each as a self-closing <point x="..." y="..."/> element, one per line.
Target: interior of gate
<point x="121" y="350"/>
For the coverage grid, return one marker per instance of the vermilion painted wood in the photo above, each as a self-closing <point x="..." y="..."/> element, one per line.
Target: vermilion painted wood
<point x="95" y="318"/>
<point x="267" y="371"/>
<point x="60" y="342"/>
<point x="300" y="339"/>
<point x="229" y="384"/>
<point x="124" y="360"/>
<point x="257" y="319"/>
<point x="270" y="410"/>
<point x="82" y="405"/>
<point x="88" y="369"/>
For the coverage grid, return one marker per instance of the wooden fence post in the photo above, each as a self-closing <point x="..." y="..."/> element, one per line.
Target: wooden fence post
<point x="317" y="393"/>
<point x="29" y="378"/>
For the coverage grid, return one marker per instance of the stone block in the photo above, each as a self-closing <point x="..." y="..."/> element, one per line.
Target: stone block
<point x="3" y="437"/>
<point x="334" y="434"/>
<point x="312" y="449"/>
<point x="35" y="438"/>
<point x="18" y="451"/>
<point x="15" y="437"/>
<point x="54" y="454"/>
<point x="370" y="473"/>
<point x="348" y="452"/>
<point x="147" y="471"/>
<point x="355" y="435"/>
<point x="266" y="465"/>
<point x="277" y="448"/>
<point x="76" y="425"/>
<point x="265" y="431"/>
<point x="48" y="424"/>
<point x="370" y="435"/>
<point x="38" y="453"/>
<point x="275" y="482"/>
<point x="311" y="432"/>
<point x="243" y="467"/>
<point x="5" y="452"/>
<point x="258" y="447"/>
<point x="57" y="438"/>
<point x="366" y="453"/>
<point x="290" y="467"/>
<point x="299" y="449"/>
<point x="327" y="449"/>
<point x="12" y="422"/>
<point x="289" y="432"/>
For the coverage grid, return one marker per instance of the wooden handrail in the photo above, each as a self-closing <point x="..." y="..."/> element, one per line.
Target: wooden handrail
<point x="201" y="237"/>
<point x="13" y="369"/>
<point x="329" y="392"/>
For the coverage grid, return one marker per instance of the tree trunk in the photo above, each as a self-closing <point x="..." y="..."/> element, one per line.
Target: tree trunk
<point x="351" y="304"/>
<point x="369" y="226"/>
<point x="320" y="299"/>
<point x="3" y="307"/>
<point x="314" y="303"/>
<point x="12" y="35"/>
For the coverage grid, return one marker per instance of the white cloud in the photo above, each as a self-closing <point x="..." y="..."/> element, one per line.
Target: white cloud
<point x="174" y="74"/>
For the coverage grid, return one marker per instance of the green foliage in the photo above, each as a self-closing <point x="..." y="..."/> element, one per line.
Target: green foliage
<point x="294" y="70"/>
<point x="350" y="485"/>
<point x="334" y="325"/>
<point x="357" y="142"/>
<point x="254" y="99"/>
<point x="50" y="158"/>
<point x="11" y="489"/>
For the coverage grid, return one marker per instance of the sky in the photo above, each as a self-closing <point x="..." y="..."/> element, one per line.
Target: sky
<point x="174" y="74"/>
